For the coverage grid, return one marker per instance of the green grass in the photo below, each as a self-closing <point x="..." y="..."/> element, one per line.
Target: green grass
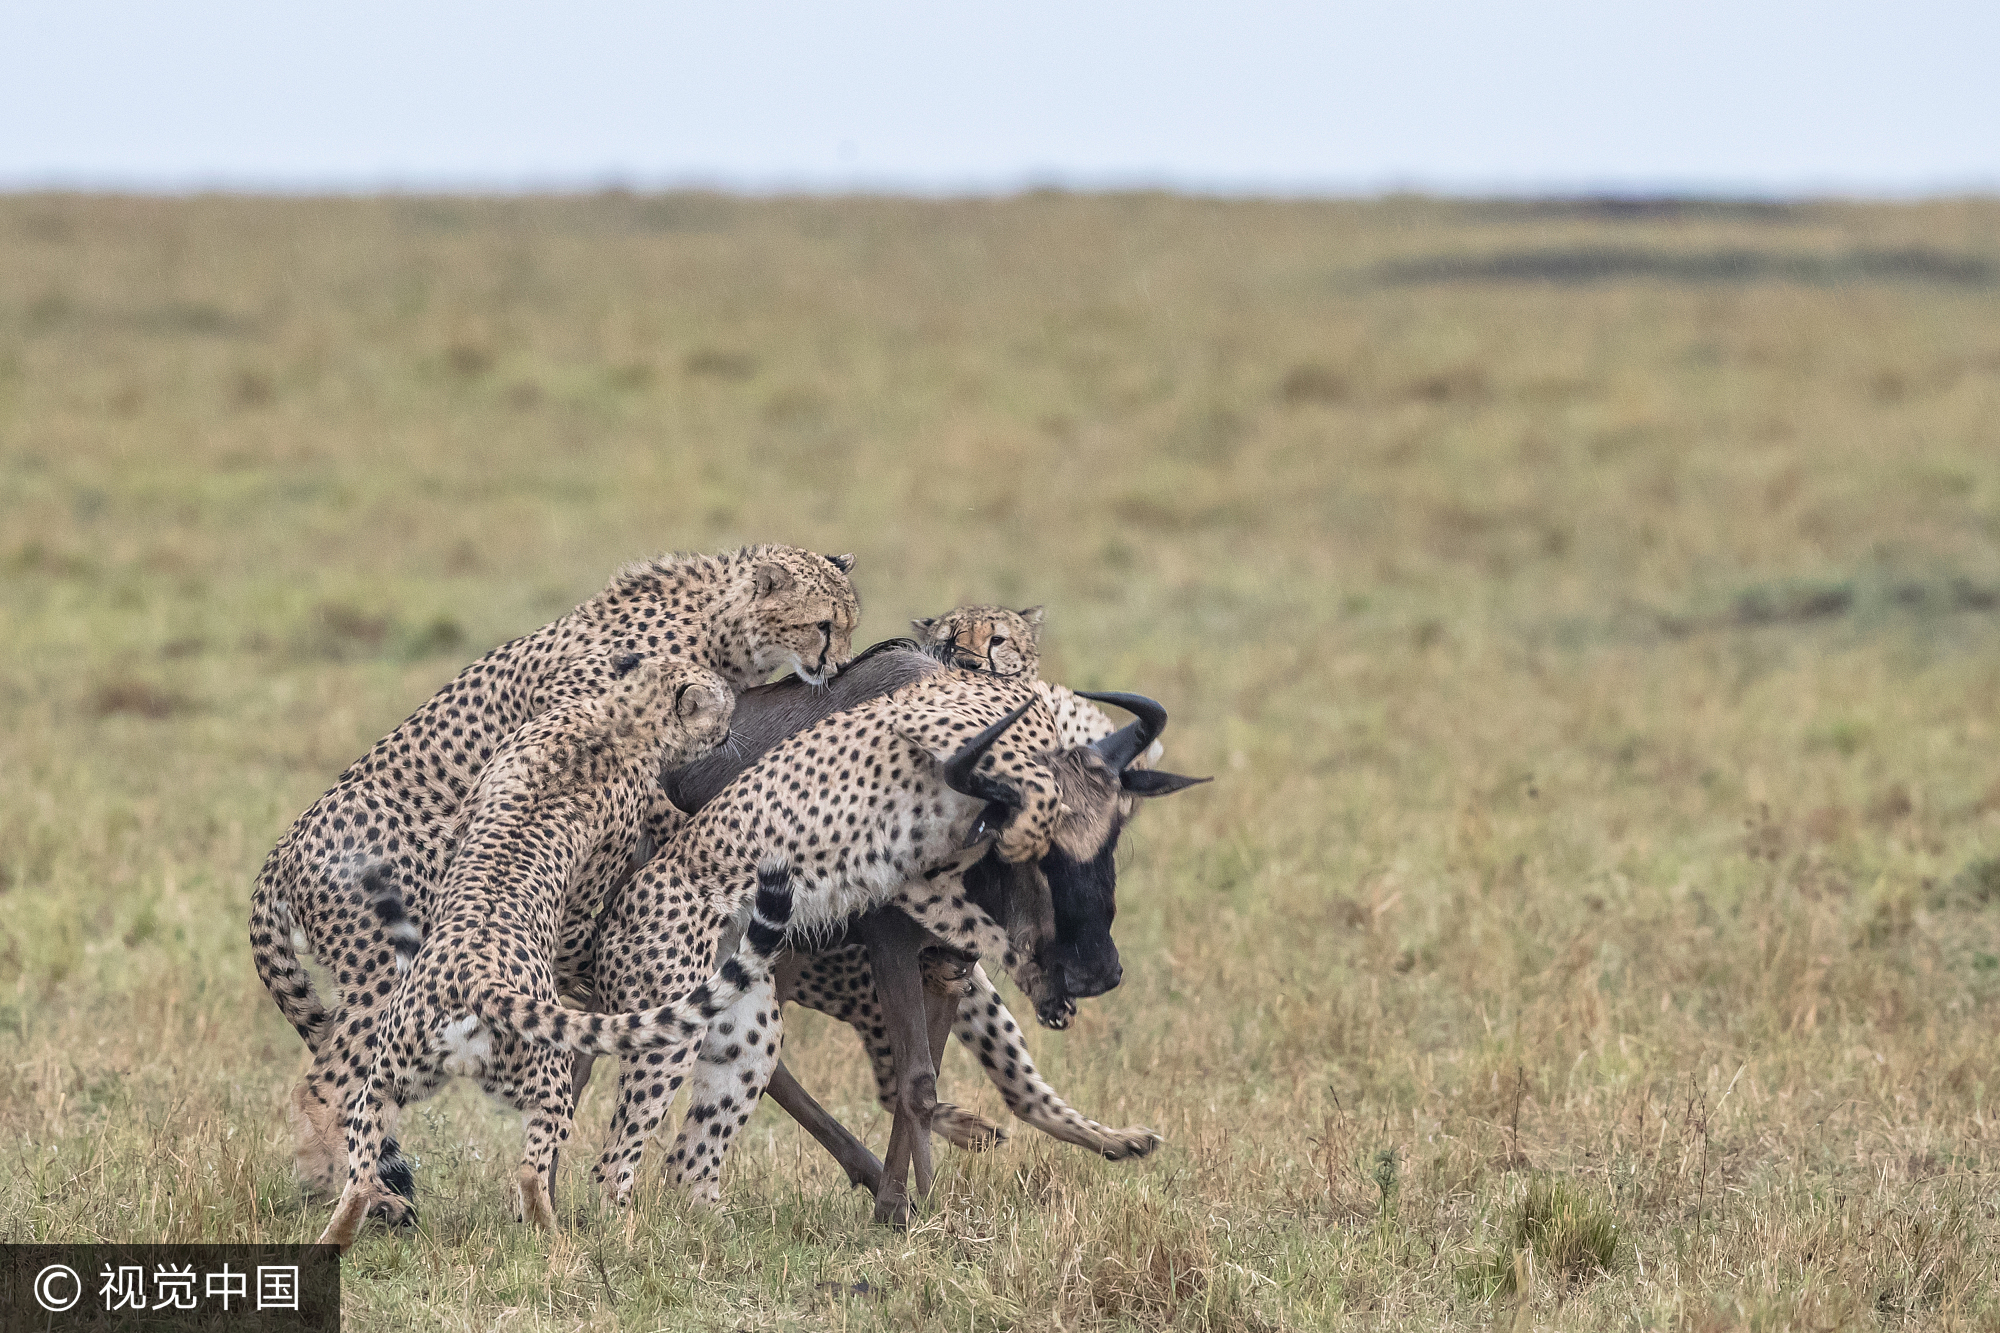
<point x="1554" y="1233"/>
<point x="1599" y="672"/>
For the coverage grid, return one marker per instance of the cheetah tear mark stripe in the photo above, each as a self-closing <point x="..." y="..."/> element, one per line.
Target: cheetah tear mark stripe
<point x="549" y="1024"/>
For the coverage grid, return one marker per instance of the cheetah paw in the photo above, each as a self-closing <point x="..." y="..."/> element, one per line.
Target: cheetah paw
<point x="965" y="1129"/>
<point x="396" y="1211"/>
<point x="1120" y="1144"/>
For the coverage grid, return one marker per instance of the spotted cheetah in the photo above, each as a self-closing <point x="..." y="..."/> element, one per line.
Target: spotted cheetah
<point x="986" y="638"/>
<point x="743" y="615"/>
<point x="478" y="996"/>
<point x="740" y="1054"/>
<point x="904" y="787"/>
<point x="1081" y="959"/>
<point x="840" y="982"/>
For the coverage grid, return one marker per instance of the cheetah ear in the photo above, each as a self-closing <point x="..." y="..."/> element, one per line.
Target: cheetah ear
<point x="773" y="578"/>
<point x="923" y="626"/>
<point x="843" y="563"/>
<point x="1033" y="615"/>
<point x="694" y="700"/>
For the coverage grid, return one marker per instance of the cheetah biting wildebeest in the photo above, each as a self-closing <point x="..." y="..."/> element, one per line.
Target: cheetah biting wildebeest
<point x="743" y="615"/>
<point x="1056" y="937"/>
<point x="478" y="994"/>
<point x="872" y="980"/>
<point x="906" y="786"/>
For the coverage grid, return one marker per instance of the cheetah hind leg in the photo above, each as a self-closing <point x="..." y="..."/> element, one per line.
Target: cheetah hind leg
<point x="319" y="1143"/>
<point x="319" y="1148"/>
<point x="736" y="1062"/>
<point x="369" y="1126"/>
<point x="542" y="1094"/>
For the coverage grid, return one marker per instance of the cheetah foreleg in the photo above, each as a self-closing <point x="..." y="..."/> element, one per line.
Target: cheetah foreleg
<point x="986" y="1028"/>
<point x="940" y="906"/>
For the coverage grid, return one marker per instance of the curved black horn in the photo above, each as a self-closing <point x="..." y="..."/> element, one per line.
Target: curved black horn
<point x="959" y="773"/>
<point x="1121" y="747"/>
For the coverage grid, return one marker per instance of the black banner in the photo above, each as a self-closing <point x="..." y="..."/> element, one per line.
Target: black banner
<point x="169" y="1288"/>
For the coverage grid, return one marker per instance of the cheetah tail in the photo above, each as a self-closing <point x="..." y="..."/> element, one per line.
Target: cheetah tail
<point x="278" y="965"/>
<point x="385" y="900"/>
<point x="549" y="1024"/>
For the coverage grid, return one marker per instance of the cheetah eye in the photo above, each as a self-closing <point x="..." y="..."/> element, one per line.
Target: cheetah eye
<point x="998" y="639"/>
<point x="826" y="628"/>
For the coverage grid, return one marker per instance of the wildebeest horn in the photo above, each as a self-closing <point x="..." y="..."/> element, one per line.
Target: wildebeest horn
<point x="960" y="774"/>
<point x="1121" y="747"/>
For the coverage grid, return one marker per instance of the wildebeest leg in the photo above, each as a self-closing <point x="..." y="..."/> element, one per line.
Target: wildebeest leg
<point x="940" y="1009"/>
<point x="863" y="1167"/>
<point x="894" y="942"/>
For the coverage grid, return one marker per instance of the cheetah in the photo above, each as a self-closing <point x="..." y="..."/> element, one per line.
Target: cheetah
<point x="986" y="638"/>
<point x="840" y="983"/>
<point x="1079" y="958"/>
<point x="743" y="615"/>
<point x="740" y="1053"/>
<point x="908" y="786"/>
<point x="478" y="994"/>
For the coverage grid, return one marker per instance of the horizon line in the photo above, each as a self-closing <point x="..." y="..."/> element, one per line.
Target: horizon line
<point x="1017" y="185"/>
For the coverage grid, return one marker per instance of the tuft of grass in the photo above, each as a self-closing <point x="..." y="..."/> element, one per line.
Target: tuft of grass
<point x="1554" y="1233"/>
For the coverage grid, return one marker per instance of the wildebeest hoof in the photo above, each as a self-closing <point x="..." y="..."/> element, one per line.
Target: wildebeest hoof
<point x="893" y="1210"/>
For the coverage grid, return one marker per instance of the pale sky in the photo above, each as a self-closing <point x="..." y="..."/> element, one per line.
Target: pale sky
<point x="1741" y="97"/>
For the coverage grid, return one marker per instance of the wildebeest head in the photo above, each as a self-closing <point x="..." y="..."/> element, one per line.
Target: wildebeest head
<point x="1060" y="910"/>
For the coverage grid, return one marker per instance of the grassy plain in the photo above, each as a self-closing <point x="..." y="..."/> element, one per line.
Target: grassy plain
<point x="1590" y="616"/>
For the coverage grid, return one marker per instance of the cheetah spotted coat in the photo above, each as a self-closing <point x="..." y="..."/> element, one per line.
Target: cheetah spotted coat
<point x="742" y="615"/>
<point x="479" y="996"/>
<point x="858" y="806"/>
<point x="742" y="1045"/>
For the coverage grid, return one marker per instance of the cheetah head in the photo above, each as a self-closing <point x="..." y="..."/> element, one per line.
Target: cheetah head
<point x="668" y="711"/>
<point x="792" y="609"/>
<point x="987" y="638"/>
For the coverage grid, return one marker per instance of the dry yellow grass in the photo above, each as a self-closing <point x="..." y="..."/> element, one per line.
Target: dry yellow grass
<point x="1600" y="674"/>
